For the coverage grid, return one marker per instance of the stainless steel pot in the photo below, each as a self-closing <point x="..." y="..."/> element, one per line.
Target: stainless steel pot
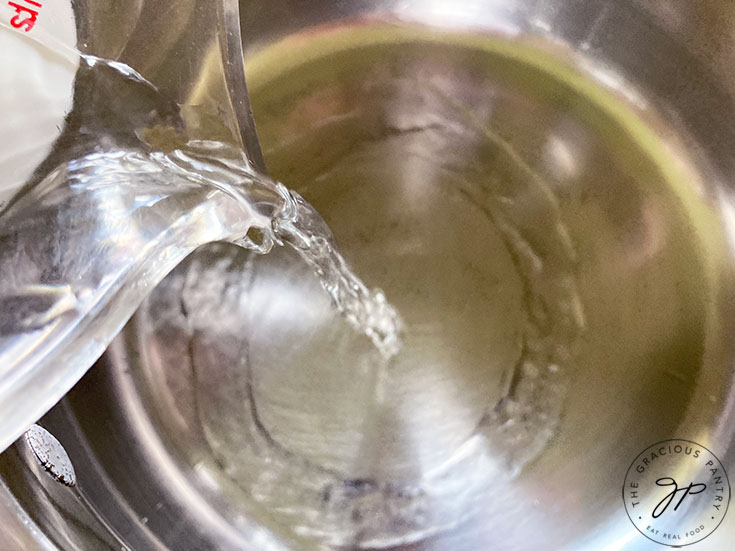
<point x="542" y="188"/>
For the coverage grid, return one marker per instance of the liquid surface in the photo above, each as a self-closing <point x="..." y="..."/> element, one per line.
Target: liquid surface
<point x="310" y="423"/>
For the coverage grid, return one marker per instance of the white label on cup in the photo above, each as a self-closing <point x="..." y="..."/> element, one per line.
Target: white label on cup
<point x="38" y="64"/>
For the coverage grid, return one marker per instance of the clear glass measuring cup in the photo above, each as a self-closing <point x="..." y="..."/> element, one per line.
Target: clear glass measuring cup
<point x="82" y="242"/>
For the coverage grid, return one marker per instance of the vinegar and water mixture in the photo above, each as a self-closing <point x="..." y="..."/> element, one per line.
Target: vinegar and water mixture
<point x="539" y="265"/>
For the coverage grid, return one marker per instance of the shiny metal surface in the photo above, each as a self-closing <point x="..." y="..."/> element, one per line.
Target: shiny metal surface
<point x="392" y="130"/>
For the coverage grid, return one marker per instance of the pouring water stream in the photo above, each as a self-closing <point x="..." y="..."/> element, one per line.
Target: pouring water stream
<point x="138" y="187"/>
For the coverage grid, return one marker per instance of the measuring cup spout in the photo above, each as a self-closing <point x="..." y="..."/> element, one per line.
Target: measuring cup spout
<point x="101" y="224"/>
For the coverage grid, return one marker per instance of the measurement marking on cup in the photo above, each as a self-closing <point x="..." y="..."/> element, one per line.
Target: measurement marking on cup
<point x="25" y="17"/>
